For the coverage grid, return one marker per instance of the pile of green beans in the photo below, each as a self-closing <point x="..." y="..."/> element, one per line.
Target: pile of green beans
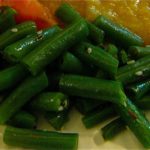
<point x="99" y="67"/>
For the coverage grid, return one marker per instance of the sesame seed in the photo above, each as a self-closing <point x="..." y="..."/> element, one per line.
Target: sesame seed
<point x="131" y="62"/>
<point x="89" y="50"/>
<point x="139" y="73"/>
<point x="60" y="108"/>
<point x="14" y="30"/>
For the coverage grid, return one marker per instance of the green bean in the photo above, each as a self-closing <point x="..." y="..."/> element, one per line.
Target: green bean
<point x="9" y="77"/>
<point x="71" y="64"/>
<point x="16" y="51"/>
<point x="113" y="128"/>
<point x="123" y="56"/>
<point x="69" y="15"/>
<point x="98" y="116"/>
<point x="50" y="49"/>
<point x="85" y="105"/>
<point x="38" y="139"/>
<point x="138" y="90"/>
<point x="119" y="34"/>
<point x="91" y="54"/>
<point x="57" y="119"/>
<point x="138" y="52"/>
<point x="23" y="119"/>
<point x="89" y="87"/>
<point x="7" y="19"/>
<point x="136" y="121"/>
<point x="116" y="126"/>
<point x="50" y="101"/>
<point x="135" y="71"/>
<point x="113" y="50"/>
<point x="16" y="33"/>
<point x="22" y="94"/>
<point x="95" y="34"/>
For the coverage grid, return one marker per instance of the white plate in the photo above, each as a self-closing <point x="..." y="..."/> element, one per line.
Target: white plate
<point x="89" y="139"/>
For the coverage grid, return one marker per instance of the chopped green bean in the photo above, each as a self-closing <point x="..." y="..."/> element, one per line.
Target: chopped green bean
<point x="123" y="56"/>
<point x="16" y="33"/>
<point x="69" y="15"/>
<point x="50" y="101"/>
<point x="138" y="52"/>
<point x="71" y="64"/>
<point x="91" y="54"/>
<point x="113" y="128"/>
<point x="23" y="119"/>
<point x="7" y="18"/>
<point x="9" y="77"/>
<point x="119" y="34"/>
<point x="51" y="48"/>
<point x="16" y="51"/>
<point x="57" y="119"/>
<point x="135" y="71"/>
<point x="38" y="139"/>
<point x="138" y="90"/>
<point x="98" y="116"/>
<point x="136" y="121"/>
<point x="22" y="94"/>
<point x="85" y="105"/>
<point x="89" y="87"/>
<point x="113" y="50"/>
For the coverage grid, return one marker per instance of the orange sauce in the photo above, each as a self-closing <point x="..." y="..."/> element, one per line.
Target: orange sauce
<point x="133" y="14"/>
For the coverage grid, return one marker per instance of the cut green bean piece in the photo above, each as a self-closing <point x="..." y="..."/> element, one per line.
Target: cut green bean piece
<point x="96" y="35"/>
<point x="51" y="48"/>
<point x="94" y="88"/>
<point x="23" y="119"/>
<point x="98" y="116"/>
<point x="16" y="51"/>
<point x="123" y="56"/>
<point x="138" y="52"/>
<point x="57" y="119"/>
<point x="136" y="121"/>
<point x="71" y="64"/>
<point x="41" y="140"/>
<point x="11" y="76"/>
<point x="21" y="95"/>
<point x="7" y="18"/>
<point x="50" y="101"/>
<point x="113" y="50"/>
<point x="116" y="126"/>
<point x="138" y="90"/>
<point x="16" y="33"/>
<point x="119" y="34"/>
<point x="135" y="71"/>
<point x="112" y="129"/>
<point x="69" y="15"/>
<point x="91" y="54"/>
